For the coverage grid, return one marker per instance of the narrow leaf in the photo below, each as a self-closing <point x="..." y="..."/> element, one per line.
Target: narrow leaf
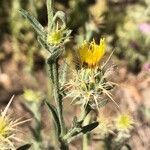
<point x="89" y="127"/>
<point x="24" y="147"/>
<point x="44" y="44"/>
<point x="60" y="15"/>
<point x="55" y="116"/>
<point x="33" y="21"/>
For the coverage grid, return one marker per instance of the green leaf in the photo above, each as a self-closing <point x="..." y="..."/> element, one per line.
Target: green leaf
<point x="55" y="116"/>
<point x="77" y="130"/>
<point x="33" y="21"/>
<point x="44" y="44"/>
<point x="24" y="147"/>
<point x="60" y="15"/>
<point x="89" y="127"/>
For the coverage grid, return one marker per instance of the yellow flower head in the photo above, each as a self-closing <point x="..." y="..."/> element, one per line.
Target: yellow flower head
<point x="124" y="122"/>
<point x="55" y="37"/>
<point x="91" y="53"/>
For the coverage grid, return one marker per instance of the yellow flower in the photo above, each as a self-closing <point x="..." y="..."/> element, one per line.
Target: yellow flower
<point x="91" y="53"/>
<point x="55" y="37"/>
<point x="8" y="129"/>
<point x="124" y="122"/>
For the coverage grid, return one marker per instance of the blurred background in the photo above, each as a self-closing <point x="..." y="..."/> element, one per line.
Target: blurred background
<point x="126" y="26"/>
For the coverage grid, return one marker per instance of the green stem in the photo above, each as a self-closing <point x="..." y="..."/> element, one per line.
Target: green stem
<point x="70" y="134"/>
<point x="75" y="129"/>
<point x="84" y="113"/>
<point x="85" y="142"/>
<point x="53" y="64"/>
<point x="108" y="142"/>
<point x="50" y="13"/>
<point x="54" y="71"/>
<point x="57" y="96"/>
<point x="86" y="136"/>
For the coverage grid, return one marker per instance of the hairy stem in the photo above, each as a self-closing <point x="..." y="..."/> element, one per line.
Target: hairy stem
<point x="86" y="136"/>
<point x="53" y="64"/>
<point x="57" y="96"/>
<point x="50" y="13"/>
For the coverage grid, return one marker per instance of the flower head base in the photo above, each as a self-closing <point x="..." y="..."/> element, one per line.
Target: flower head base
<point x="89" y="86"/>
<point x="58" y="35"/>
<point x="124" y="122"/>
<point x="8" y="129"/>
<point x="91" y="54"/>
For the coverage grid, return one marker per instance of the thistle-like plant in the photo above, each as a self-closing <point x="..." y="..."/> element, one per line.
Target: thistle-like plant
<point x="90" y="80"/>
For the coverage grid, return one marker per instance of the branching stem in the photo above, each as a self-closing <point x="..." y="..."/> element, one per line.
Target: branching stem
<point x="53" y="65"/>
